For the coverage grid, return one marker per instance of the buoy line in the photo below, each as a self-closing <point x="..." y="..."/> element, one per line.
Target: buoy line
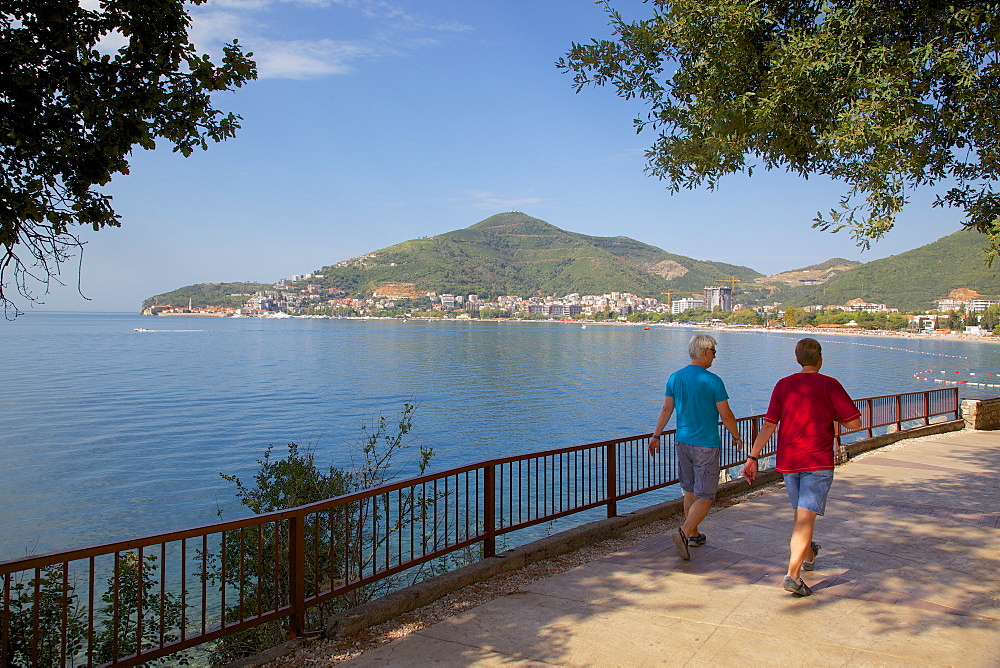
<point x="948" y="377"/>
<point x="905" y="350"/>
<point x="874" y="345"/>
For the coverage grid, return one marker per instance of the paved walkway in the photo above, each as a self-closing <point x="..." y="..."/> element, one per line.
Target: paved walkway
<point x="909" y="574"/>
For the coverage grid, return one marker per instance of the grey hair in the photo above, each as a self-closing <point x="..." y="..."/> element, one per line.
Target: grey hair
<point x="698" y="344"/>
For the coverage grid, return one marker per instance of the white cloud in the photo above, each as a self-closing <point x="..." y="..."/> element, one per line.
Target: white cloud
<point x="393" y="32"/>
<point x="209" y="29"/>
<point x="307" y="60"/>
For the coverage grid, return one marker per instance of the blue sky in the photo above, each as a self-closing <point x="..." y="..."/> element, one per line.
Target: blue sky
<point x="378" y="121"/>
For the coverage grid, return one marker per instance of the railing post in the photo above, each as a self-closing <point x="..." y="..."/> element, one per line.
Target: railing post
<point x="611" y="485"/>
<point x="927" y="409"/>
<point x="5" y="619"/>
<point x="490" y="510"/>
<point x="899" y="412"/>
<point x="868" y="410"/>
<point x="296" y="576"/>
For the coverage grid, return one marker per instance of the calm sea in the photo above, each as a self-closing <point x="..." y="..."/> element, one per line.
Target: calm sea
<point x="106" y="432"/>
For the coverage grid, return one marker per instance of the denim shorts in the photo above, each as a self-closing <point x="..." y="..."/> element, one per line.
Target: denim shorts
<point x="809" y="489"/>
<point x="699" y="469"/>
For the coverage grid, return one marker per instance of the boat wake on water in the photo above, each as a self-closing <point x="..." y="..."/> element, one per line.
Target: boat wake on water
<point x="143" y="329"/>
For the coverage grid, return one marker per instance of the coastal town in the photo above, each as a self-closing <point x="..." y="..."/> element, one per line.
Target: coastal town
<point x="961" y="312"/>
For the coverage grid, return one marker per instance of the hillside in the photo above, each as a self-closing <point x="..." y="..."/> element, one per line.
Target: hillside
<point x="515" y="254"/>
<point x="911" y="280"/>
<point x="817" y="273"/>
<point x="208" y="294"/>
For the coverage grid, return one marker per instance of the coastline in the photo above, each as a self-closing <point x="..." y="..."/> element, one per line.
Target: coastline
<point x="813" y="331"/>
<point x="808" y="331"/>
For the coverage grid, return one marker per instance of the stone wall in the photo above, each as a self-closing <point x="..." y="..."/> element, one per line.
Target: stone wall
<point x="981" y="413"/>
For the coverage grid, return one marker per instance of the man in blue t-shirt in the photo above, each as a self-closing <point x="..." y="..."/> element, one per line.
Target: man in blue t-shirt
<point x="700" y="400"/>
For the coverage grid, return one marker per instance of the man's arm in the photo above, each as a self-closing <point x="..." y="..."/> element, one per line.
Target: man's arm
<point x="729" y="421"/>
<point x="843" y="405"/>
<point x="661" y="423"/>
<point x="851" y="425"/>
<point x="763" y="436"/>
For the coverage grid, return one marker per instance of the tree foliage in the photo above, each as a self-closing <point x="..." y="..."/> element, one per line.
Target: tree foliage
<point x="71" y="111"/>
<point x="47" y="619"/>
<point x="135" y="612"/>
<point x="41" y="601"/>
<point x="883" y="95"/>
<point x="347" y="540"/>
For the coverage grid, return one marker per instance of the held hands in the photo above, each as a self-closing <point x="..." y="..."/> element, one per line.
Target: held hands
<point x="750" y="471"/>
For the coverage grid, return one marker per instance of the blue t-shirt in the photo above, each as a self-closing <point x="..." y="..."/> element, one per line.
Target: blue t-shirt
<point x="695" y="391"/>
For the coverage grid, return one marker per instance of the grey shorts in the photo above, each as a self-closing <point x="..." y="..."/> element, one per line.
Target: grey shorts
<point x="699" y="469"/>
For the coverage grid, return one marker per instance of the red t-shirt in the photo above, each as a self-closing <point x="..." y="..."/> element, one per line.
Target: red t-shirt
<point x="805" y="406"/>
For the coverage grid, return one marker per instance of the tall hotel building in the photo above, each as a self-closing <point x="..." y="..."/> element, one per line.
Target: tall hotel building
<point x="718" y="296"/>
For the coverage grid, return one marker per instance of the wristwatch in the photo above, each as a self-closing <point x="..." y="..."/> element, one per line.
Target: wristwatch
<point x="752" y="457"/>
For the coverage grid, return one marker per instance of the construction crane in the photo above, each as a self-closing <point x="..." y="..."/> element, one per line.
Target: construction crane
<point x="732" y="280"/>
<point x="669" y="293"/>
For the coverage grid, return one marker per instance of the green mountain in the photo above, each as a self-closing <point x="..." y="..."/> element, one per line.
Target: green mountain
<point x="912" y="280"/>
<point x="515" y="254"/>
<point x="209" y="294"/>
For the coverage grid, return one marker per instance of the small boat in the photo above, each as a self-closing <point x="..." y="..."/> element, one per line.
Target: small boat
<point x="583" y="327"/>
<point x="140" y="329"/>
<point x="646" y="328"/>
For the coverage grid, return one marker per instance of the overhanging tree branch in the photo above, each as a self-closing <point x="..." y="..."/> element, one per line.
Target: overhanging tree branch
<point x="70" y="115"/>
<point x="885" y="96"/>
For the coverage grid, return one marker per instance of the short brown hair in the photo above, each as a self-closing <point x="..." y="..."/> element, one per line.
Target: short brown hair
<point x="808" y="352"/>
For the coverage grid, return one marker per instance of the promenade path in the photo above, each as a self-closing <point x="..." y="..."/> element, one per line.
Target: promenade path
<point x="909" y="575"/>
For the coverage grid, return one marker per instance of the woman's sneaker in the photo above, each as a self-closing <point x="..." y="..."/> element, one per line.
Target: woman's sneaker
<point x="797" y="587"/>
<point x="810" y="565"/>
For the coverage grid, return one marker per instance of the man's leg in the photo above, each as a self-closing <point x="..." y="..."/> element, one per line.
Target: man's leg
<point x="800" y="546"/>
<point x="694" y="513"/>
<point x="688" y="500"/>
<point x="706" y="484"/>
<point x="686" y="472"/>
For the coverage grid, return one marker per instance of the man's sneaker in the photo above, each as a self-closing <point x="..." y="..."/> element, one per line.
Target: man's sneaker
<point x="810" y="565"/>
<point x="697" y="541"/>
<point x="681" y="541"/>
<point x="797" y="587"/>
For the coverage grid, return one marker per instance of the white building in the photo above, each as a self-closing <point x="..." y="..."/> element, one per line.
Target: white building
<point x="686" y="304"/>
<point x="950" y="304"/>
<point x="980" y="305"/>
<point x="970" y="305"/>
<point x="862" y="305"/>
